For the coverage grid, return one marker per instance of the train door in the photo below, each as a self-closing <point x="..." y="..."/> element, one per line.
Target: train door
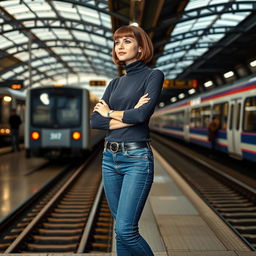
<point x="186" y="124"/>
<point x="234" y="128"/>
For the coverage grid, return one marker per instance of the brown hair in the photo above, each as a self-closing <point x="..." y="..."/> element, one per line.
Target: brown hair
<point x="142" y="39"/>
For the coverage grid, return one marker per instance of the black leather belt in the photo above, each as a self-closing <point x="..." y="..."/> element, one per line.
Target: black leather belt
<point x="120" y="146"/>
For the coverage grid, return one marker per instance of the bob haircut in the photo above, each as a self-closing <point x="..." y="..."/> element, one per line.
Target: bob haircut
<point x="142" y="39"/>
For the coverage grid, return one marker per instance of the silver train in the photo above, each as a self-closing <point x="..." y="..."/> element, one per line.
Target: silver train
<point x="10" y="99"/>
<point x="235" y="108"/>
<point x="58" y="122"/>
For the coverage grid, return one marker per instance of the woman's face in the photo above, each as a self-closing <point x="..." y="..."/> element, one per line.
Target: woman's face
<point x="126" y="49"/>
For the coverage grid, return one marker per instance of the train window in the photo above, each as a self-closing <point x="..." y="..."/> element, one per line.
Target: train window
<point x="220" y="111"/>
<point x="54" y="109"/>
<point x="250" y="115"/>
<point x="195" y="118"/>
<point x="238" y="116"/>
<point x="206" y="113"/>
<point x="231" y="117"/>
<point x="173" y="120"/>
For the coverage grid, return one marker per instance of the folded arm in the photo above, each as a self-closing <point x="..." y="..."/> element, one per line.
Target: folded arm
<point x="115" y="118"/>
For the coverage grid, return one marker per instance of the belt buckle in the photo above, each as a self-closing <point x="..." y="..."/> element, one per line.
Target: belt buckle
<point x="116" y="146"/>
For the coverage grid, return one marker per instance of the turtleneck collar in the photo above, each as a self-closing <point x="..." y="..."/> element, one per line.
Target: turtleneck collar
<point x="135" y="67"/>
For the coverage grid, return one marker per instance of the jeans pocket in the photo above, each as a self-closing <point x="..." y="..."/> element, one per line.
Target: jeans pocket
<point x="139" y="153"/>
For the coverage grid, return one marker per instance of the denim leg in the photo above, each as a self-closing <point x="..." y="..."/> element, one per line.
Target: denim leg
<point x="137" y="181"/>
<point x="112" y="182"/>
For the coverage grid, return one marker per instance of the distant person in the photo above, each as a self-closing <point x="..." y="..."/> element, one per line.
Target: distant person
<point x="212" y="132"/>
<point x="15" y="122"/>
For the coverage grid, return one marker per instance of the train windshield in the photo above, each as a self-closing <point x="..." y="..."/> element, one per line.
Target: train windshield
<point x="56" y="108"/>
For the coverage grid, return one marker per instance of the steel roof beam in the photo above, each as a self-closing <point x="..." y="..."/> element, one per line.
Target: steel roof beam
<point x="50" y="68"/>
<point x="85" y="4"/>
<point x="60" y="74"/>
<point x="70" y="32"/>
<point x="224" y="43"/>
<point x="197" y="33"/>
<point x="216" y="9"/>
<point x="57" y="43"/>
<point x="17" y="24"/>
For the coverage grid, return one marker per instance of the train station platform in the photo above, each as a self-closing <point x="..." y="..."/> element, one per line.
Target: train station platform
<point x="175" y="221"/>
<point x="186" y="225"/>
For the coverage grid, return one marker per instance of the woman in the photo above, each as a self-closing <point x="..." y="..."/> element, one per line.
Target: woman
<point x="124" y="111"/>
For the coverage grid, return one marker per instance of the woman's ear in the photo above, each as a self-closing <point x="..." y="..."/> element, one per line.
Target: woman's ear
<point x="140" y="49"/>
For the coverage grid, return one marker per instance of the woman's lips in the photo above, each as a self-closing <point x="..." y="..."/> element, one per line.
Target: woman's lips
<point x="121" y="53"/>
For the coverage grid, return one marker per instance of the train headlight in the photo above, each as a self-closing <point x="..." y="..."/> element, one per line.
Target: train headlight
<point x="76" y="135"/>
<point x="35" y="135"/>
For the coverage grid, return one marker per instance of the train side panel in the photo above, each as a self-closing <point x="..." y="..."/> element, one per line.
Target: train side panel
<point x="235" y="108"/>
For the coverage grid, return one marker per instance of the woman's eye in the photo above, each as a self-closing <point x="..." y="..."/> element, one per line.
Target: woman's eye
<point x="127" y="41"/>
<point x="116" y="42"/>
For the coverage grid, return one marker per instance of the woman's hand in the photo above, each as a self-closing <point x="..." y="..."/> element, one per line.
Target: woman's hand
<point x="143" y="100"/>
<point x="102" y="108"/>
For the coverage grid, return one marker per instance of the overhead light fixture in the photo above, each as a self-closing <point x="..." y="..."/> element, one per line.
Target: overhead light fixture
<point x="208" y="84"/>
<point x="191" y="91"/>
<point x="229" y="74"/>
<point x="134" y="24"/>
<point x="181" y="95"/>
<point x="161" y="104"/>
<point x="7" y="99"/>
<point x="253" y="63"/>
<point x="173" y="99"/>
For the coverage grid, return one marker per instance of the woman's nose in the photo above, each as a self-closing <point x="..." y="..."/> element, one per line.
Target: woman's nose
<point x="121" y="45"/>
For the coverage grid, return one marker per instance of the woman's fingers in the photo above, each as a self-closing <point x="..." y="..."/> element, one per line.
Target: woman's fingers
<point x="103" y="102"/>
<point x="145" y="95"/>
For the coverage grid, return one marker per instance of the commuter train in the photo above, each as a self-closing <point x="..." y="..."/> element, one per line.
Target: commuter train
<point x="58" y="122"/>
<point x="233" y="106"/>
<point x="10" y="99"/>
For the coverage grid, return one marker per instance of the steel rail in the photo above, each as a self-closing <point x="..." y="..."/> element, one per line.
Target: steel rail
<point x="46" y="208"/>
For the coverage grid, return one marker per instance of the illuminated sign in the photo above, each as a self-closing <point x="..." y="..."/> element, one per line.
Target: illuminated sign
<point x="13" y="84"/>
<point x="179" y="84"/>
<point x="97" y="83"/>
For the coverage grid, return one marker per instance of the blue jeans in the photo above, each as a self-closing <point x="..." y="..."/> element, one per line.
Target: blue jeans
<point x="127" y="179"/>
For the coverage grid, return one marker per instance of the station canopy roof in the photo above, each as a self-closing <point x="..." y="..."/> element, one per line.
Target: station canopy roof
<point x="71" y="40"/>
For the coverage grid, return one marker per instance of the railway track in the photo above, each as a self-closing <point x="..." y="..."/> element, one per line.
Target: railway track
<point x="232" y="200"/>
<point x="73" y="217"/>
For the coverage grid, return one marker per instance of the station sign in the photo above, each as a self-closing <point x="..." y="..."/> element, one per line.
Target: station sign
<point x="179" y="84"/>
<point x="13" y="84"/>
<point x="97" y="83"/>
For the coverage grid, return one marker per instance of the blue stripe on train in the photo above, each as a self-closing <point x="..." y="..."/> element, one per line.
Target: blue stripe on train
<point x="250" y="139"/>
<point x="200" y="142"/>
<point x="250" y="156"/>
<point x="222" y="148"/>
<point x="173" y="128"/>
<point x="220" y="134"/>
<point x="198" y="131"/>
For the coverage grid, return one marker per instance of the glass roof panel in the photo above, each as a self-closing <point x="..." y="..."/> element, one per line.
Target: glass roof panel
<point x="44" y="34"/>
<point x="40" y="11"/>
<point x="5" y="42"/>
<point x="215" y="20"/>
<point x="81" y="36"/>
<point x="62" y="34"/>
<point x="7" y="74"/>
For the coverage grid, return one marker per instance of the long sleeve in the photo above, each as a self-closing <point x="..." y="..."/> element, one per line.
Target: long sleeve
<point x="143" y="113"/>
<point x="97" y="121"/>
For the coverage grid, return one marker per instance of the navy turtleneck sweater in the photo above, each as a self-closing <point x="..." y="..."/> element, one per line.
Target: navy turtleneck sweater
<point x="123" y="93"/>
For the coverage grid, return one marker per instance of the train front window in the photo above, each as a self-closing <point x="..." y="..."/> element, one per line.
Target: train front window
<point x="55" y="108"/>
<point x="250" y="114"/>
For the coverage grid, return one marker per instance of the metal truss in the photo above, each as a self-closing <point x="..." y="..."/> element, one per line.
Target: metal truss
<point x="83" y="45"/>
<point x="197" y="33"/>
<point x="217" y="47"/>
<point x="216" y="9"/>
